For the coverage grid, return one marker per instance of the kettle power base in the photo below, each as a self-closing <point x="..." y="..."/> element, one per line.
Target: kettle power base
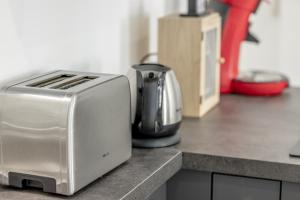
<point x="295" y="151"/>
<point x="156" y="142"/>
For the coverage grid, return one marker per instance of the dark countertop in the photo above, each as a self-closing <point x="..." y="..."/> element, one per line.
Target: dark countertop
<point x="137" y="179"/>
<point x="249" y="136"/>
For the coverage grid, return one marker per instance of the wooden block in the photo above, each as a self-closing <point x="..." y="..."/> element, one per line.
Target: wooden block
<point x="191" y="47"/>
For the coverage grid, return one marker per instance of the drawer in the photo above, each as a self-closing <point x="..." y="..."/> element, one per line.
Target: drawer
<point x="226" y="187"/>
<point x="159" y="194"/>
<point x="290" y="191"/>
<point x="189" y="185"/>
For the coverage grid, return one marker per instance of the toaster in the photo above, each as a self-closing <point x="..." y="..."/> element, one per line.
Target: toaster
<point x="62" y="130"/>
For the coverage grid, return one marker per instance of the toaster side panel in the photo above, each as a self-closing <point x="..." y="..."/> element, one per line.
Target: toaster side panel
<point x="102" y="133"/>
<point x="33" y="135"/>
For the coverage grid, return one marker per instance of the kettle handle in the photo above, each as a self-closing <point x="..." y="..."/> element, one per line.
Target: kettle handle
<point x="149" y="105"/>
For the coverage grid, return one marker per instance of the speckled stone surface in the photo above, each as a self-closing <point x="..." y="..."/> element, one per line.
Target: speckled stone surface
<point x="249" y="136"/>
<point x="134" y="180"/>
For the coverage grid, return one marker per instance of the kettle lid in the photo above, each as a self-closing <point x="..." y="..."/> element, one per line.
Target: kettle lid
<point x="151" y="67"/>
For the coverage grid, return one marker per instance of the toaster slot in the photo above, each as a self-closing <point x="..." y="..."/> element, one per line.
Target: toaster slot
<point x="51" y="80"/>
<point x="74" y="82"/>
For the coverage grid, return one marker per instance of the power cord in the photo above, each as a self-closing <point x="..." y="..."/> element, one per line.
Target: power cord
<point x="146" y="57"/>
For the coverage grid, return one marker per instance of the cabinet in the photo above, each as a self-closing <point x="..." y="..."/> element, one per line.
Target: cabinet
<point x="197" y="185"/>
<point x="189" y="185"/>
<point x="159" y="194"/>
<point x="290" y="191"/>
<point x="191" y="47"/>
<point x="227" y="187"/>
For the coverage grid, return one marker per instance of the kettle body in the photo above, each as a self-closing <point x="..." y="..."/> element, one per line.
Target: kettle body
<point x="156" y="100"/>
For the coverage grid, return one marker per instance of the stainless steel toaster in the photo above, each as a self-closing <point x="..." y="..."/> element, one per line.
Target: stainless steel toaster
<point x="62" y="130"/>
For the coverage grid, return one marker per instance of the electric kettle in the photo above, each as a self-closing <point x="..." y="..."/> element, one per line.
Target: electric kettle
<point x="156" y="106"/>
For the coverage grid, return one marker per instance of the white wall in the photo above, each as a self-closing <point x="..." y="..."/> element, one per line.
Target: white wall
<point x="89" y="35"/>
<point x="111" y="35"/>
<point x="289" y="42"/>
<point x="277" y="26"/>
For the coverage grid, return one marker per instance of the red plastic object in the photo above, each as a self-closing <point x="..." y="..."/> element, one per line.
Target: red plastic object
<point x="259" y="89"/>
<point x="234" y="33"/>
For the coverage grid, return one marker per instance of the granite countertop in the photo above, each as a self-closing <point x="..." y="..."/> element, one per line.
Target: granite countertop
<point x="137" y="179"/>
<point x="248" y="136"/>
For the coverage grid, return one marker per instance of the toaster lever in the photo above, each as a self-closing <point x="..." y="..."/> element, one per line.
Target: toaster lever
<point x="25" y="180"/>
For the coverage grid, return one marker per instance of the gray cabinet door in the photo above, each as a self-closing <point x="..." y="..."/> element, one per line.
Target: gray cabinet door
<point x="227" y="187"/>
<point x="290" y="191"/>
<point x="189" y="185"/>
<point x="159" y="194"/>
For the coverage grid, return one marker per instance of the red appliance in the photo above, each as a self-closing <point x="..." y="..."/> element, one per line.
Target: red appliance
<point x="235" y="31"/>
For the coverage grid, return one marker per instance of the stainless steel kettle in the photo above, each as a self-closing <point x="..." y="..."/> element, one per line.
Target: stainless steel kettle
<point x="157" y="104"/>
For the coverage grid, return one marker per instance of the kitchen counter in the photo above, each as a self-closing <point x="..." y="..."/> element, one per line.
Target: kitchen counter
<point x="247" y="136"/>
<point x="136" y="179"/>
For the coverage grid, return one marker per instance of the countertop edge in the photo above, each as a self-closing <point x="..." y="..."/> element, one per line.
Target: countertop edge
<point x="144" y="189"/>
<point x="241" y="167"/>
